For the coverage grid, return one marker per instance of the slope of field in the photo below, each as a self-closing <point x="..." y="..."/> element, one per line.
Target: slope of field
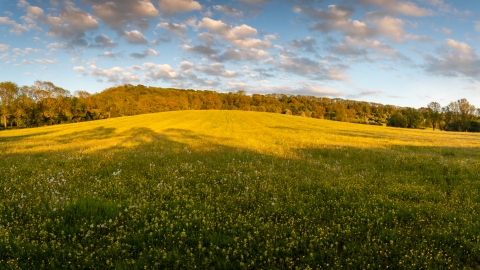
<point x="243" y="190"/>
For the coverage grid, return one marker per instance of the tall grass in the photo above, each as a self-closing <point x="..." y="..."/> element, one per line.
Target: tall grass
<point x="243" y="190"/>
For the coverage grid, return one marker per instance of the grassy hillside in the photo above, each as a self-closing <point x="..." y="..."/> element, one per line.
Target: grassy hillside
<point x="232" y="189"/>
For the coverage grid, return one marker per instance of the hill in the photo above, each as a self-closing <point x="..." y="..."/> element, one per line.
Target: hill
<point x="46" y="104"/>
<point x="233" y="189"/>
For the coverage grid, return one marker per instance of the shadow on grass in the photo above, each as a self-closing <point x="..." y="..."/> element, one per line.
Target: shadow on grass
<point x="31" y="135"/>
<point x="326" y="199"/>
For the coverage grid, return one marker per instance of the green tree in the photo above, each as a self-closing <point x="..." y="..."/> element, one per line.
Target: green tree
<point x="397" y="120"/>
<point x="8" y="93"/>
<point x="435" y="113"/>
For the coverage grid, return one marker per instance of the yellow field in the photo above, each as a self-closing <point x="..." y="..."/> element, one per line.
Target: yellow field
<point x="233" y="189"/>
<point x="259" y="132"/>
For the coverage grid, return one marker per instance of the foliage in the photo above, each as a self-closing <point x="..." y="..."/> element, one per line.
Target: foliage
<point x="46" y="104"/>
<point x="397" y="120"/>
<point x="237" y="190"/>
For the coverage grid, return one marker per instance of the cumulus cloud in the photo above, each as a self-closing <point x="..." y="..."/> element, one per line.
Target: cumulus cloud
<point x="365" y="93"/>
<point x="215" y="69"/>
<point x="25" y="51"/>
<point x="397" y="6"/>
<point x="228" y="10"/>
<point x="79" y="68"/>
<point x="337" y="18"/>
<point x="308" y="89"/>
<point x="230" y="54"/>
<point x="145" y="54"/>
<point x="393" y="29"/>
<point x="114" y="75"/>
<point x="367" y="48"/>
<point x="309" y="68"/>
<point x="179" y="30"/>
<point x="447" y="31"/>
<point x="72" y="21"/>
<point x="46" y="61"/>
<point x="4" y="47"/>
<point x="456" y="59"/>
<point x="15" y="28"/>
<point x="103" y="41"/>
<point x="201" y="49"/>
<point x="178" y="6"/>
<point x="250" y="54"/>
<point x="207" y="38"/>
<point x="239" y="35"/>
<point x="160" y="72"/>
<point x="256" y="2"/>
<point x="109" y="55"/>
<point x="308" y="44"/>
<point x="135" y="37"/>
<point x="303" y="88"/>
<point x="118" y="14"/>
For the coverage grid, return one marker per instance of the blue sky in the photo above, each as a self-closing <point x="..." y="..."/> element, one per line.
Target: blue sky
<point x="405" y="53"/>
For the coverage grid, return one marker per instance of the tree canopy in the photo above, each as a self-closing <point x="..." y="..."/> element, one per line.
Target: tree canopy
<point x="43" y="103"/>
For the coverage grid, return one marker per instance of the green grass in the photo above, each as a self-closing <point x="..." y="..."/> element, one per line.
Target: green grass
<point x="237" y="190"/>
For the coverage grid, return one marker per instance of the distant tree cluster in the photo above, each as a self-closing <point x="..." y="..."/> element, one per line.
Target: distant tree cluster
<point x="43" y="103"/>
<point x="459" y="115"/>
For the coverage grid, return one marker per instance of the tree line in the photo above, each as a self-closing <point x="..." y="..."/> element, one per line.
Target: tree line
<point x="43" y="103"/>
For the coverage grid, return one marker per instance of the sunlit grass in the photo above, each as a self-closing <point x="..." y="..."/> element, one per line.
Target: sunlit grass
<point x="231" y="189"/>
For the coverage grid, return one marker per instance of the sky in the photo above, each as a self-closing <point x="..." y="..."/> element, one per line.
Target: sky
<point x="403" y="53"/>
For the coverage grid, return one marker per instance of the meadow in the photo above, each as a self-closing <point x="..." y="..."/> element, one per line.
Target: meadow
<point x="237" y="190"/>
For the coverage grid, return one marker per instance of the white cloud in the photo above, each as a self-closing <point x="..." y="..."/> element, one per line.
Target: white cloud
<point x="456" y="59"/>
<point x="103" y="41"/>
<point x="71" y="22"/>
<point x="76" y="60"/>
<point x="135" y="37"/>
<point x="115" y="74"/>
<point x="392" y="28"/>
<point x="79" y="68"/>
<point x="308" y="89"/>
<point x="309" y="68"/>
<point x="4" y="47"/>
<point x="308" y="44"/>
<point x="384" y="49"/>
<point x="228" y="10"/>
<point x="178" y="29"/>
<point x="145" y="54"/>
<point x="178" y="6"/>
<point x="16" y="28"/>
<point x="46" y="61"/>
<point x="119" y="13"/>
<point x="215" y="69"/>
<point x="301" y="88"/>
<point x="477" y="26"/>
<point x="447" y="31"/>
<point x="238" y="35"/>
<point x="56" y="45"/>
<point x="397" y="6"/>
<point x="22" y="3"/>
<point x="25" y="51"/>
<point x="201" y="49"/>
<point x="160" y="72"/>
<point x="109" y="55"/>
<point x="256" y="2"/>
<point x="272" y="37"/>
<point x="337" y="18"/>
<point x="462" y="48"/>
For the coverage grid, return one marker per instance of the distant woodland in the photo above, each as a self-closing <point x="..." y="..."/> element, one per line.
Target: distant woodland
<point x="43" y="103"/>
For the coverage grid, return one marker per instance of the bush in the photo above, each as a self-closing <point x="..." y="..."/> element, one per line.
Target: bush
<point x="397" y="120"/>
